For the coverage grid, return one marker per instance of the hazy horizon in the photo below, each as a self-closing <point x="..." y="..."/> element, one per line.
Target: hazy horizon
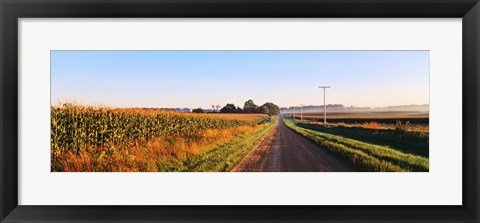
<point x="192" y="79"/>
<point x="60" y="103"/>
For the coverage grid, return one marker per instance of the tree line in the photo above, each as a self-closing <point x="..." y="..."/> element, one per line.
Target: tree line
<point x="248" y="107"/>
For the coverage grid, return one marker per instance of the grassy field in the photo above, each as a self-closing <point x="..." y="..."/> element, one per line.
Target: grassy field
<point x="360" y="117"/>
<point x="104" y="139"/>
<point x="370" y="149"/>
<point x="363" y="113"/>
<point x="412" y="142"/>
<point x="222" y="157"/>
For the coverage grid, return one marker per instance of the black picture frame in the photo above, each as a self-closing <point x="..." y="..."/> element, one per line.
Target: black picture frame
<point x="12" y="10"/>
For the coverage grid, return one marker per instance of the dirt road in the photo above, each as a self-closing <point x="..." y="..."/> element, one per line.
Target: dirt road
<point x="284" y="150"/>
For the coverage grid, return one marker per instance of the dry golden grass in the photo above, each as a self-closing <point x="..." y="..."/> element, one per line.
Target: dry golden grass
<point x="371" y="125"/>
<point x="375" y="126"/>
<point x="241" y="117"/>
<point x="148" y="156"/>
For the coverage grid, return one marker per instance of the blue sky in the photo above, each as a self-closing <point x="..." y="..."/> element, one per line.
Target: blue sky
<point x="202" y="78"/>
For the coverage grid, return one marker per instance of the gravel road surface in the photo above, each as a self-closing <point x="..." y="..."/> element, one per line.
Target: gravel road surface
<point x="284" y="150"/>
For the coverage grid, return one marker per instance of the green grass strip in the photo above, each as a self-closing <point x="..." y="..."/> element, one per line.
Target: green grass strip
<point x="222" y="158"/>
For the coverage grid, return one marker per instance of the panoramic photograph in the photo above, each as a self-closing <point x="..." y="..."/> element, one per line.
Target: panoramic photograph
<point x="239" y="111"/>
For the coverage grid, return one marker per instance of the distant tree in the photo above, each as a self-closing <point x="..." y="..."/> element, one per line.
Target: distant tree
<point x="238" y="110"/>
<point x="250" y="107"/>
<point x="270" y="109"/>
<point x="229" y="108"/>
<point x="198" y="110"/>
<point x="213" y="107"/>
<point x="218" y="107"/>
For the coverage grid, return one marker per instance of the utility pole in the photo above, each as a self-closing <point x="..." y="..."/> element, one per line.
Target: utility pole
<point x="301" y="112"/>
<point x="293" y="113"/>
<point x="324" y="105"/>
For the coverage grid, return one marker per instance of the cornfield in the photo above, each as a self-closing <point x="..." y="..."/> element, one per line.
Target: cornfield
<point x="75" y="128"/>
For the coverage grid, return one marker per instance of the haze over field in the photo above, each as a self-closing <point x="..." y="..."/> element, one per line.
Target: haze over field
<point x="192" y="79"/>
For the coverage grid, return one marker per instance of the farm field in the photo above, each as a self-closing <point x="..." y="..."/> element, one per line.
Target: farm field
<point x="370" y="149"/>
<point x="86" y="139"/>
<point x="101" y="139"/>
<point x="360" y="117"/>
